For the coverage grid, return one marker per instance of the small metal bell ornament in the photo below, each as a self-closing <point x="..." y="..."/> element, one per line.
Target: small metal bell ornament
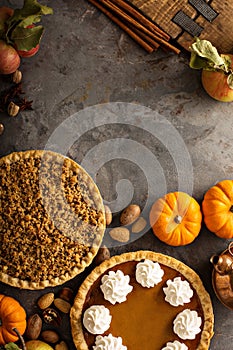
<point x="223" y="263"/>
<point x="222" y="277"/>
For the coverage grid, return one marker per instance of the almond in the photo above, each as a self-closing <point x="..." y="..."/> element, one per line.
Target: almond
<point x="120" y="234"/>
<point x="45" y="301"/>
<point x="139" y="225"/>
<point x="108" y="215"/>
<point x="62" y="305"/>
<point x="50" y="336"/>
<point x="34" y="325"/>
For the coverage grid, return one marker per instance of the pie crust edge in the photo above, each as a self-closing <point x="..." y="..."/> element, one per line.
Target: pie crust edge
<point x="187" y="272"/>
<point x="24" y="284"/>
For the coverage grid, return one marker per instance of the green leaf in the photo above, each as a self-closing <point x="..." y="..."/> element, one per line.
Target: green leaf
<point x="30" y="8"/>
<point x="30" y="20"/>
<point x="27" y="38"/>
<point x="11" y="346"/>
<point x="205" y="56"/>
<point x="204" y="48"/>
<point x="28" y="15"/>
<point x="197" y="62"/>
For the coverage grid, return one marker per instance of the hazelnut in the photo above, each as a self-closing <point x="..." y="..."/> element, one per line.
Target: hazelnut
<point x="52" y="317"/>
<point x="17" y="77"/>
<point x="130" y="214"/>
<point x="102" y="255"/>
<point x="66" y="294"/>
<point x="12" y="109"/>
<point x="61" y="346"/>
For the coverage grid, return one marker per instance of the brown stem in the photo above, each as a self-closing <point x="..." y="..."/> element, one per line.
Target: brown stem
<point x="178" y="219"/>
<point x="20" y="338"/>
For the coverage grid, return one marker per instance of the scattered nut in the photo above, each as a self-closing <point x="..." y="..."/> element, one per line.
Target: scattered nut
<point x="62" y="305"/>
<point x="45" y="300"/>
<point x="120" y="234"/>
<point x="34" y="325"/>
<point x="61" y="346"/>
<point x="17" y="77"/>
<point x="108" y="215"/>
<point x="66" y="294"/>
<point x="50" y="336"/>
<point x="130" y="214"/>
<point x="102" y="255"/>
<point x="12" y="109"/>
<point x="139" y="225"/>
<point x="52" y="317"/>
<point x="1" y="129"/>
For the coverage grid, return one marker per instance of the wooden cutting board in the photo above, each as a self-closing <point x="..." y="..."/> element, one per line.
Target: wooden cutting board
<point x="185" y="19"/>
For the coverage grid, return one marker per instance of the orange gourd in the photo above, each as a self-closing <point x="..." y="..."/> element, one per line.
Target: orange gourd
<point x="217" y="207"/>
<point x="12" y="315"/>
<point x="176" y="218"/>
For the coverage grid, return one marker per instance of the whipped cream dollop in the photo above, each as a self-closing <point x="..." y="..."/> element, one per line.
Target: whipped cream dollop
<point x="187" y="324"/>
<point x="108" y="342"/>
<point x="115" y="286"/>
<point x="176" y="345"/>
<point x="97" y="319"/>
<point x="149" y="273"/>
<point x="178" y="292"/>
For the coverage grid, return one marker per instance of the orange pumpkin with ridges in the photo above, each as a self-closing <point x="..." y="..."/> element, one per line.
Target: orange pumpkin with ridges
<point x="12" y="315"/>
<point x="217" y="208"/>
<point x="176" y="218"/>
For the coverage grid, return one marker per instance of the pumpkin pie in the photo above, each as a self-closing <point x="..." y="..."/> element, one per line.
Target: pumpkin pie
<point x="142" y="300"/>
<point x="52" y="219"/>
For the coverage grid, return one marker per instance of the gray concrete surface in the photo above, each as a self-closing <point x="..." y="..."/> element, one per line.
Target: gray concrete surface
<point x="84" y="61"/>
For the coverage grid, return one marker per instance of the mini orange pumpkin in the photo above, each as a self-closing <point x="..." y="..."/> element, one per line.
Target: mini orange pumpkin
<point x="176" y="218"/>
<point x="12" y="315"/>
<point x="217" y="207"/>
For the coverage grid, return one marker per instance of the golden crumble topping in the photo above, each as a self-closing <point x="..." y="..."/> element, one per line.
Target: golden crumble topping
<point x="51" y="218"/>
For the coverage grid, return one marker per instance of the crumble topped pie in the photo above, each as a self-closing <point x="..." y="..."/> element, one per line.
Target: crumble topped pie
<point x="51" y="219"/>
<point x="137" y="299"/>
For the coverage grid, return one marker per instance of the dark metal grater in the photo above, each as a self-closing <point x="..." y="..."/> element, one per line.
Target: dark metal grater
<point x="187" y="23"/>
<point x="204" y="9"/>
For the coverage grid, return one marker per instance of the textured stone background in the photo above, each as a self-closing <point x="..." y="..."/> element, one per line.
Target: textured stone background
<point x="85" y="60"/>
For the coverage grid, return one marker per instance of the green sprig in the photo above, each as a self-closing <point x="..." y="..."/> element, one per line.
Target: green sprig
<point x="21" y="29"/>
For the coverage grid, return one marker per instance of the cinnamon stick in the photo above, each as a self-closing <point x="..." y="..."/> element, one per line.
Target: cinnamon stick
<point x="142" y="30"/>
<point x="127" y="18"/>
<point x="141" y="18"/>
<point x="121" y="24"/>
<point x="147" y="38"/>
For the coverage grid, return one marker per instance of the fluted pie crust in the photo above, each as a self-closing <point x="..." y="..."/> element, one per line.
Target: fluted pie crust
<point x="90" y="289"/>
<point x="51" y="219"/>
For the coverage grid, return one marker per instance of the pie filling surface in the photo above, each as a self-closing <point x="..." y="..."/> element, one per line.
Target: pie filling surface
<point x="145" y="319"/>
<point x="51" y="218"/>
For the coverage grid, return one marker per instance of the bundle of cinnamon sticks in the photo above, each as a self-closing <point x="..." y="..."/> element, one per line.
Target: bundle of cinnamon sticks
<point x="134" y="23"/>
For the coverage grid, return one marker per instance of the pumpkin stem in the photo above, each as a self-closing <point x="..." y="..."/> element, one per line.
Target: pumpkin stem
<point x="20" y="338"/>
<point x="178" y="219"/>
<point x="231" y="209"/>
